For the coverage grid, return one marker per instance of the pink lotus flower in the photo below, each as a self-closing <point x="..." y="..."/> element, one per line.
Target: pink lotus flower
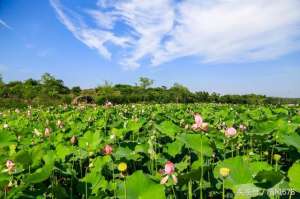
<point x="10" y="165"/>
<point x="169" y="171"/>
<point x="199" y="124"/>
<point x="230" y="132"/>
<point x="107" y="150"/>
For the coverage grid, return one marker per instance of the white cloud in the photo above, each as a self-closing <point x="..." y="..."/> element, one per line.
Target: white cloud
<point x="2" y="23"/>
<point x="214" y="31"/>
<point x="92" y="37"/>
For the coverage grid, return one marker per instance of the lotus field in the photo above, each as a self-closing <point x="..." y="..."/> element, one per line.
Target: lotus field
<point x="150" y="152"/>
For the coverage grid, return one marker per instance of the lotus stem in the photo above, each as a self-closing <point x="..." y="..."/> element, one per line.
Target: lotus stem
<point x="125" y="191"/>
<point x="223" y="189"/>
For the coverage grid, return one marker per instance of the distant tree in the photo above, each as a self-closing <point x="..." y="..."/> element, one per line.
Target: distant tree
<point x="31" y="89"/>
<point x="51" y="91"/>
<point x="202" y="96"/>
<point x="145" y="82"/>
<point x="214" y="97"/>
<point x="76" y="90"/>
<point x="180" y="92"/>
<point x="107" y="91"/>
<point x="1" y="80"/>
<point x="51" y="86"/>
<point x="2" y="87"/>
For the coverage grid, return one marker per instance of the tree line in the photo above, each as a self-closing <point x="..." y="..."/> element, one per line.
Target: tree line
<point x="49" y="90"/>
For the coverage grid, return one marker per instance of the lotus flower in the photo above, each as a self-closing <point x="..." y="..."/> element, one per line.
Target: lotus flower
<point x="169" y="171"/>
<point x="230" y="132"/>
<point x="10" y="165"/>
<point x="224" y="172"/>
<point x="199" y="124"/>
<point x="47" y="132"/>
<point x="122" y="167"/>
<point x="107" y="150"/>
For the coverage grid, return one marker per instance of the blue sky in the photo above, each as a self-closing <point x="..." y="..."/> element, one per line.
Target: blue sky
<point x="226" y="46"/>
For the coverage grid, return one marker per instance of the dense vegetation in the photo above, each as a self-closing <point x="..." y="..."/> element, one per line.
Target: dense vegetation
<point x="150" y="151"/>
<point x="51" y="91"/>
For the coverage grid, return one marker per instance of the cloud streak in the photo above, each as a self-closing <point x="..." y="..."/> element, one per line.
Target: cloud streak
<point x="4" y="24"/>
<point x="160" y="31"/>
<point x="92" y="37"/>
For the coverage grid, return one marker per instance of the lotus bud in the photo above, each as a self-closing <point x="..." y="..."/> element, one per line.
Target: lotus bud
<point x="10" y="165"/>
<point x="107" y="150"/>
<point x="59" y="124"/>
<point x="47" y="132"/>
<point x="277" y="157"/>
<point x="169" y="168"/>
<point x="73" y="140"/>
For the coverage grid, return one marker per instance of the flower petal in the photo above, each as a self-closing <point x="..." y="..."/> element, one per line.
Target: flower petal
<point x="164" y="180"/>
<point x="175" y="180"/>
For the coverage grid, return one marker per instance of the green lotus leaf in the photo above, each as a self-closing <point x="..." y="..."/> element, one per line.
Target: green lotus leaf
<point x="294" y="176"/>
<point x="94" y="176"/>
<point x="125" y="152"/>
<point x="168" y="128"/>
<point x="264" y="128"/>
<point x="247" y="191"/>
<point x="292" y="139"/>
<point x="62" y="151"/>
<point x="258" y="166"/>
<point x="268" y="179"/>
<point x="174" y="148"/>
<point x="240" y="172"/>
<point x="7" y="138"/>
<point x="23" y="157"/>
<point x="44" y="172"/>
<point x="140" y="186"/>
<point x="197" y="142"/>
<point x="90" y="141"/>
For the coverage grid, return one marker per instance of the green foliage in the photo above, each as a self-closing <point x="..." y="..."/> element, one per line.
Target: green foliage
<point x="50" y="91"/>
<point x="145" y="82"/>
<point x="293" y="175"/>
<point x="140" y="186"/>
<point x="146" y="137"/>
